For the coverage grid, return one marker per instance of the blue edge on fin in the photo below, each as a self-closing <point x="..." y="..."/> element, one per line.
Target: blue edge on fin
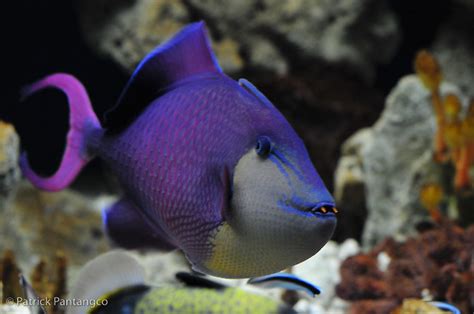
<point x="287" y="281"/>
<point x="445" y="307"/>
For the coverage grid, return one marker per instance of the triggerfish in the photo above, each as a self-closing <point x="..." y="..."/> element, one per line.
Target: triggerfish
<point x="114" y="283"/>
<point x="207" y="164"/>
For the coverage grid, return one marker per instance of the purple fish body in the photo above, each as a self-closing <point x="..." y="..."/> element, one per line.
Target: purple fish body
<point x="200" y="120"/>
<point x="207" y="165"/>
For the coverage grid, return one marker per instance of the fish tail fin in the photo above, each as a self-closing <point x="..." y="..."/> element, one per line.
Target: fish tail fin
<point x="83" y="124"/>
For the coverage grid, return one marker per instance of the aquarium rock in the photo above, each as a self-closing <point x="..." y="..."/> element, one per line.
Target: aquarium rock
<point x="127" y="30"/>
<point x="40" y="224"/>
<point x="397" y="160"/>
<point x="270" y="34"/>
<point x="327" y="277"/>
<point x="9" y="170"/>
<point x="349" y="186"/>
<point x="161" y="267"/>
<point x="14" y="309"/>
<point x="307" y="307"/>
<point x="454" y="49"/>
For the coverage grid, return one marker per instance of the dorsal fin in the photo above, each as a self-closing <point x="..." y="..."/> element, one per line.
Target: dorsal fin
<point x="185" y="55"/>
<point x="249" y="87"/>
<point x="105" y="274"/>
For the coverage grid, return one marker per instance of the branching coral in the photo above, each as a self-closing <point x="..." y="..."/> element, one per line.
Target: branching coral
<point x="454" y="138"/>
<point x="431" y="195"/>
<point x="453" y="127"/>
<point x="466" y="158"/>
<point x="429" y="72"/>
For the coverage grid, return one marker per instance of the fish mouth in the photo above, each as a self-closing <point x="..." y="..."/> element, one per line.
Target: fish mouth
<point x="320" y="209"/>
<point x="324" y="209"/>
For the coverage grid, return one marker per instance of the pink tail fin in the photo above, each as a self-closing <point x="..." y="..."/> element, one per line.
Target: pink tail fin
<point x="82" y="120"/>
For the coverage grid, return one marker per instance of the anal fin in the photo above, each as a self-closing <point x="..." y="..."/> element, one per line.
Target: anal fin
<point x="128" y="228"/>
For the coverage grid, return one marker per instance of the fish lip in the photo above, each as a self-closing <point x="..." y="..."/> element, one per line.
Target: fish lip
<point x="316" y="209"/>
<point x="324" y="210"/>
<point x="325" y="216"/>
<point x="323" y="204"/>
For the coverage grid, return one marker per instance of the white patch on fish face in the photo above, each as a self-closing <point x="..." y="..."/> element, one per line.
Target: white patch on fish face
<point x="265" y="232"/>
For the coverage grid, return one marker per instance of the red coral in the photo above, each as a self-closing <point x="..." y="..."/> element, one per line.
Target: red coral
<point x="361" y="279"/>
<point x="389" y="246"/>
<point x="439" y="259"/>
<point x="460" y="291"/>
<point x="363" y="288"/>
<point x="360" y="265"/>
<point x="406" y="279"/>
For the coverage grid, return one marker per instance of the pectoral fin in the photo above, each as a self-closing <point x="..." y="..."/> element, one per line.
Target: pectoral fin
<point x="285" y="281"/>
<point x="128" y="227"/>
<point x="195" y="281"/>
<point x="226" y="181"/>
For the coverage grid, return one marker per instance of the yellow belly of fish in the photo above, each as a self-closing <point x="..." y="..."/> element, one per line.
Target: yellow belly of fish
<point x="237" y="257"/>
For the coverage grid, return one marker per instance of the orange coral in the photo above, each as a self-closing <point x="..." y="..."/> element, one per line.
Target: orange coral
<point x="429" y="72"/>
<point x="431" y="195"/>
<point x="466" y="158"/>
<point x="454" y="138"/>
<point x="452" y="107"/>
<point x="453" y="126"/>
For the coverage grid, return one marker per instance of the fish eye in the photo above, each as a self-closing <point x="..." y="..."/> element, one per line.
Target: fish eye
<point x="263" y="146"/>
